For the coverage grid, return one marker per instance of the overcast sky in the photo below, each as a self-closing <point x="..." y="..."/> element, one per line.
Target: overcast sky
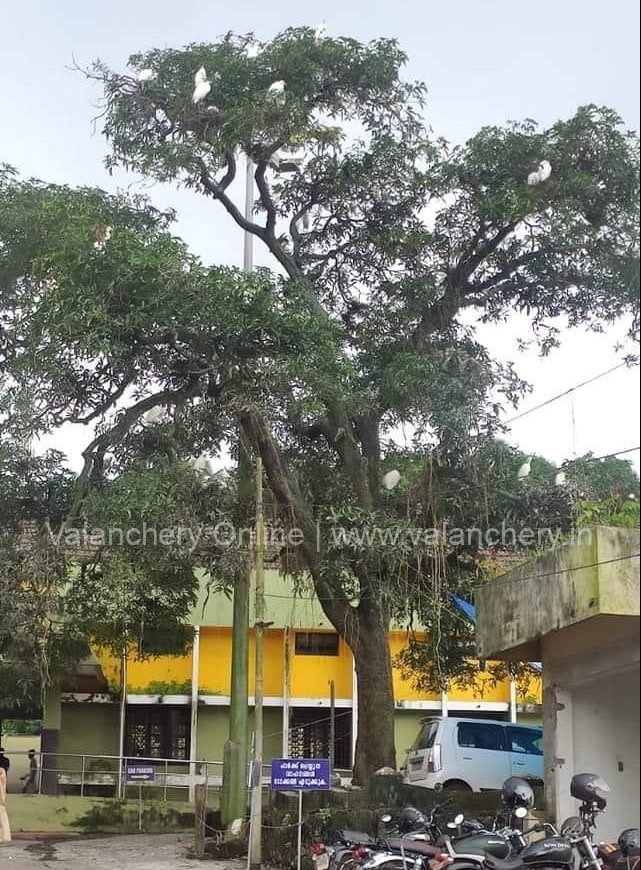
<point x="484" y="62"/>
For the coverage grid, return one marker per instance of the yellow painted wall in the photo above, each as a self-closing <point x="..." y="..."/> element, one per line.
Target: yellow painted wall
<point x="140" y="673"/>
<point x="215" y="661"/>
<point x="310" y="676"/>
<point x="403" y="689"/>
<point x="482" y="691"/>
<point x="215" y="656"/>
<point x="274" y="662"/>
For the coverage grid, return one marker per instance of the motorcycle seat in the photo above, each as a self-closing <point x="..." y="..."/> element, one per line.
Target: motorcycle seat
<point x="493" y="863"/>
<point x="354" y="838"/>
<point x="417" y="847"/>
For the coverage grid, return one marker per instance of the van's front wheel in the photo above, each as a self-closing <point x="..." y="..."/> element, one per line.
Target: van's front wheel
<point x="456" y="785"/>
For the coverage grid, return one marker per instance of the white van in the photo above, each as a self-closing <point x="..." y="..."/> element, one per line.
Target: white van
<point x="473" y="754"/>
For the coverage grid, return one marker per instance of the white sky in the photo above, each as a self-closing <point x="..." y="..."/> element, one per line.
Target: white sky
<point x="484" y="63"/>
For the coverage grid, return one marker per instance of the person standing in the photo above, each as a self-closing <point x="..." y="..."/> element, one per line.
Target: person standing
<point x="30" y="779"/>
<point x="4" y="761"/>
<point x="5" y="830"/>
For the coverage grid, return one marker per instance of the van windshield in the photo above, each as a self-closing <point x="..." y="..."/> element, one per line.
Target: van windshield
<point x="426" y="736"/>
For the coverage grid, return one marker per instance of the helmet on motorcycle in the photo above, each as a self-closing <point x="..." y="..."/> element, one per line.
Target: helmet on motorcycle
<point x="629" y="841"/>
<point x="411" y="819"/>
<point x="591" y="789"/>
<point x="516" y="792"/>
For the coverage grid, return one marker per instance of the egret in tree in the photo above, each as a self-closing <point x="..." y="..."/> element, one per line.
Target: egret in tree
<point x="277" y="90"/>
<point x="202" y="86"/>
<point x="542" y="174"/>
<point x="525" y="469"/>
<point x="560" y="479"/>
<point x="146" y="75"/>
<point x="253" y="49"/>
<point x="391" y="479"/>
<point x="155" y="415"/>
<point x="103" y="234"/>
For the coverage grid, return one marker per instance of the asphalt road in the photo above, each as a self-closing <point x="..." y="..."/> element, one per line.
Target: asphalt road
<point x="141" y="852"/>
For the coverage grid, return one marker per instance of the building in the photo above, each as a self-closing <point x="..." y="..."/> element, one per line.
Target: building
<point x="576" y="609"/>
<point x="178" y="706"/>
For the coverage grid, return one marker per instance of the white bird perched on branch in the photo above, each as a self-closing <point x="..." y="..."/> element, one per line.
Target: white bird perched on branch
<point x="253" y="49"/>
<point x="542" y="174"/>
<point x="321" y="31"/>
<point x="560" y="479"/>
<point x="277" y="90"/>
<point x="157" y="414"/>
<point x="147" y="75"/>
<point x="391" y="479"/>
<point x="525" y="469"/>
<point x="202" y="86"/>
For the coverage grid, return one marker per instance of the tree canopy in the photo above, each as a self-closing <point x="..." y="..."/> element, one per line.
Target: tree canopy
<point x="389" y="245"/>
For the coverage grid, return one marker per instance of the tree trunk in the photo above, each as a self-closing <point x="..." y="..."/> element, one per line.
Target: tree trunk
<point x="365" y="628"/>
<point x="369" y="638"/>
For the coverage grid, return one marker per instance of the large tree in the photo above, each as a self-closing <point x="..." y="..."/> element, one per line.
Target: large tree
<point x="388" y="244"/>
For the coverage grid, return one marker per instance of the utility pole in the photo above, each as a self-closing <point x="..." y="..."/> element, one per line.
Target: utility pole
<point x="332" y="727"/>
<point x="122" y="716"/>
<point x="234" y="797"/>
<point x="255" y="843"/>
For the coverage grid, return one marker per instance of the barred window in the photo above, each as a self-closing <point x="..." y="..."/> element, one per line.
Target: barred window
<point x="157" y="731"/>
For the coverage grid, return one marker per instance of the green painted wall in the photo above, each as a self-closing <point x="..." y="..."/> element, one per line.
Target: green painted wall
<point x="213" y="731"/>
<point x="406" y="724"/>
<point x="89" y="729"/>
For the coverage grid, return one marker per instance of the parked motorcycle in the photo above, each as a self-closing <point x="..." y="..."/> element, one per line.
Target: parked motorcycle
<point x="464" y="837"/>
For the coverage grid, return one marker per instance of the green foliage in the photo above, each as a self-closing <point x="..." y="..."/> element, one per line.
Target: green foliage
<point x="390" y="244"/>
<point x="601" y="479"/>
<point x="21" y="726"/>
<point x="614" y="511"/>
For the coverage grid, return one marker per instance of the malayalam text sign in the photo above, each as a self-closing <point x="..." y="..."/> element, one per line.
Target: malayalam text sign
<point x="300" y="774"/>
<point x="140" y="773"/>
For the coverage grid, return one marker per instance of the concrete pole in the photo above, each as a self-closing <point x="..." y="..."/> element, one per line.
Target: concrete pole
<point x="255" y="860"/>
<point x="193" y="745"/>
<point x="445" y="709"/>
<point x="332" y="727"/>
<point x="123" y="717"/>
<point x="354" y="709"/>
<point x="248" y="240"/>
<point x="286" y="665"/>
<point x="513" y="708"/>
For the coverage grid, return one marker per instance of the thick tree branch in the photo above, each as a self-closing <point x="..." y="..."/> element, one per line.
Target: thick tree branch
<point x="292" y="508"/>
<point x="266" y="199"/>
<point x="216" y="190"/>
<point x="94" y="453"/>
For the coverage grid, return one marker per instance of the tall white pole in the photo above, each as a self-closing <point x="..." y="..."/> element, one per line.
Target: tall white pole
<point x="248" y="240"/>
<point x="513" y="701"/>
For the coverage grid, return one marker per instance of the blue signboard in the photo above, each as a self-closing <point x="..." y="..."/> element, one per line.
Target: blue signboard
<point x="140" y="773"/>
<point x="300" y="774"/>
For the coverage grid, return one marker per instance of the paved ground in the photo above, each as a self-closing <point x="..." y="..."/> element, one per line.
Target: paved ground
<point x="143" y="852"/>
